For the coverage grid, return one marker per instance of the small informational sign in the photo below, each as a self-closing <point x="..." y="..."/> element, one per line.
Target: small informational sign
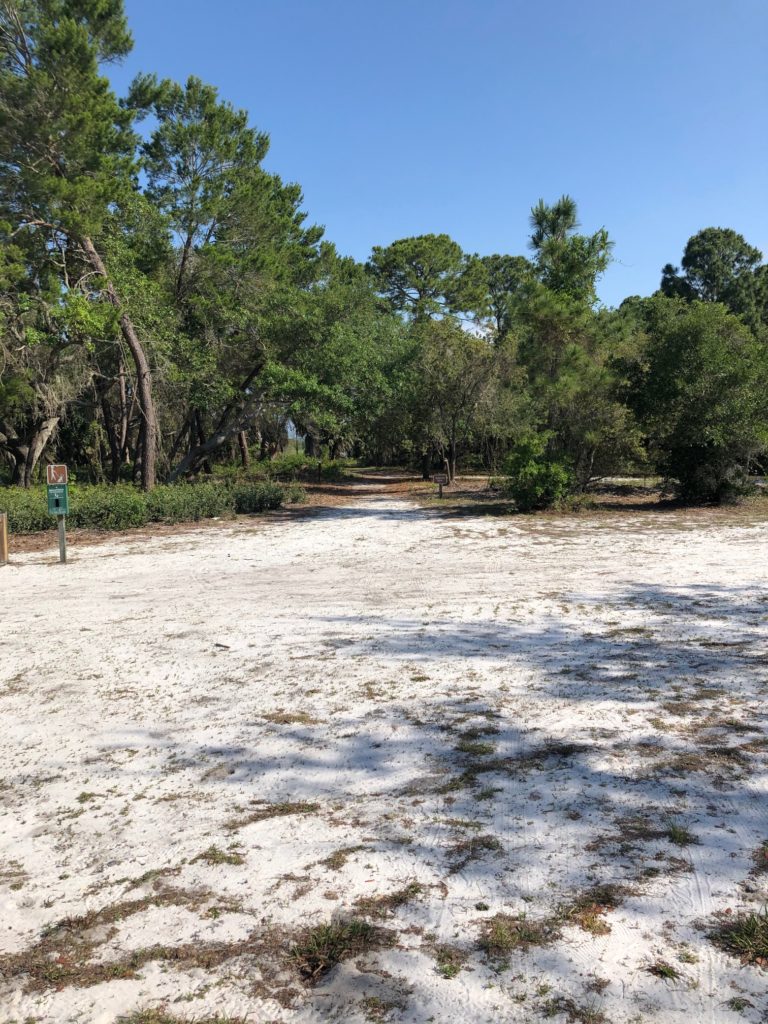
<point x="440" y="478"/>
<point x="56" y="475"/>
<point x="58" y="500"/>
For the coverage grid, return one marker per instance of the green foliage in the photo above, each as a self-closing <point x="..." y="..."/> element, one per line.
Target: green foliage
<point x="567" y="262"/>
<point x="247" y="498"/>
<point x="508" y="284"/>
<point x="179" y="503"/>
<point x="427" y="276"/>
<point x="174" y="272"/>
<point x="534" y="481"/>
<point x="27" y="509"/>
<point x="719" y="265"/>
<point x="700" y="392"/>
<point x="289" y="466"/>
<point x="120" y="507"/>
<point x="107" y="508"/>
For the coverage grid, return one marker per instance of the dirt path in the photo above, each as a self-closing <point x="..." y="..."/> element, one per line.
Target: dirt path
<point x="216" y="739"/>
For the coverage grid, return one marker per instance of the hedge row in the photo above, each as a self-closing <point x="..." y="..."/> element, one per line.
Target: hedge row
<point x="105" y="507"/>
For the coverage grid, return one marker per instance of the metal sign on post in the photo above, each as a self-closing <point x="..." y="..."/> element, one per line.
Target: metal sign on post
<point x="58" y="503"/>
<point x="58" y="500"/>
<point x="440" y="479"/>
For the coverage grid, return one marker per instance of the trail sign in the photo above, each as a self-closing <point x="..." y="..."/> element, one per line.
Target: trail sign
<point x="440" y="478"/>
<point x="58" y="500"/>
<point x="58" y="503"/>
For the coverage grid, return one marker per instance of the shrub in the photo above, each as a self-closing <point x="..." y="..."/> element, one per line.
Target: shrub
<point x="699" y="394"/>
<point x="121" y="506"/>
<point x="257" y="497"/>
<point x="107" y="507"/>
<point x="27" y="510"/>
<point x="180" y="503"/>
<point x="294" y="494"/>
<point x="533" y="481"/>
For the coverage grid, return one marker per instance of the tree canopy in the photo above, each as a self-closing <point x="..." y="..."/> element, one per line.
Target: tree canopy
<point x="167" y="307"/>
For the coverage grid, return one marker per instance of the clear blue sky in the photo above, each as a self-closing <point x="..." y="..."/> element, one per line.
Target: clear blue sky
<point x="400" y="117"/>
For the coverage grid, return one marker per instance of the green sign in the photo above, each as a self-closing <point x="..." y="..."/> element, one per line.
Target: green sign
<point x="58" y="500"/>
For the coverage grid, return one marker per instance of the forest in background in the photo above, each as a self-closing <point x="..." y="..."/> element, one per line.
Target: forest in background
<point x="167" y="308"/>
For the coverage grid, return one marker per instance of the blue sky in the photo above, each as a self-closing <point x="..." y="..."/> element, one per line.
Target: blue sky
<point x="416" y="116"/>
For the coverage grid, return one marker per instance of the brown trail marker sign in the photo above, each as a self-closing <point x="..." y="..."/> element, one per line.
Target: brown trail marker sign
<point x="58" y="503"/>
<point x="440" y="479"/>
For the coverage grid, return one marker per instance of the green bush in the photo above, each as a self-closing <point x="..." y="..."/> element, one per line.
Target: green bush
<point x="181" y="503"/>
<point x="121" y="506"/>
<point x="27" y="510"/>
<point x="294" y="494"/>
<point x="533" y="481"/>
<point x="257" y="497"/>
<point x="106" y="507"/>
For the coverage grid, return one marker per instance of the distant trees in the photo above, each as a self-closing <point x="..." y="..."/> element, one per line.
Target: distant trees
<point x="427" y="276"/>
<point x="719" y="265"/>
<point x="165" y="305"/>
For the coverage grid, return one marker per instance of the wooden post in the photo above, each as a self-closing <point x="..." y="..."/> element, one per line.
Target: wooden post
<point x="3" y="538"/>
<point x="440" y="485"/>
<point x="62" y="538"/>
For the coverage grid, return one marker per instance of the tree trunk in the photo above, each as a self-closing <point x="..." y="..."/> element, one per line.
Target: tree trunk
<point x="109" y="427"/>
<point x="245" y="455"/>
<point x="452" y="460"/>
<point x="201" y="440"/>
<point x="148" y="432"/>
<point x="37" y="443"/>
<point x="426" y="464"/>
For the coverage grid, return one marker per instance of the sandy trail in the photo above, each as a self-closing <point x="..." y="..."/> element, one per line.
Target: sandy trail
<point x="480" y="716"/>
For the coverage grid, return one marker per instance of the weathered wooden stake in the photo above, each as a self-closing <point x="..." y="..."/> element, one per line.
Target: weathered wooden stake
<point x="62" y="538"/>
<point x="3" y="538"/>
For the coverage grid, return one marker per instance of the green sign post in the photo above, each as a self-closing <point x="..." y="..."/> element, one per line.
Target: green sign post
<point x="58" y="503"/>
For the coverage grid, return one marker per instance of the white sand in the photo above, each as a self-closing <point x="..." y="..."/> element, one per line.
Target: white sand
<point x="138" y="677"/>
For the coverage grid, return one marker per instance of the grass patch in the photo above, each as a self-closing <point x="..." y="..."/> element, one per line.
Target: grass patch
<point x="337" y="860"/>
<point x="574" y="1012"/>
<point x="161" y="1016"/>
<point x="321" y="948"/>
<point x="760" y="857"/>
<point x="744" y="936"/>
<point x="386" y="904"/>
<point x="213" y="855"/>
<point x="472" y="848"/>
<point x="663" y="969"/>
<point x="290" y="718"/>
<point x="376" y="1009"/>
<point x="475" y="748"/>
<point x="589" y="909"/>
<point x="504" y="933"/>
<point x="738" y="1003"/>
<point x="680" y="836"/>
<point x="449" y="960"/>
<point x="279" y="810"/>
<point x="63" y="954"/>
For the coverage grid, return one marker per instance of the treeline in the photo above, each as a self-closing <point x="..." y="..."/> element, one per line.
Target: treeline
<point x="165" y="306"/>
